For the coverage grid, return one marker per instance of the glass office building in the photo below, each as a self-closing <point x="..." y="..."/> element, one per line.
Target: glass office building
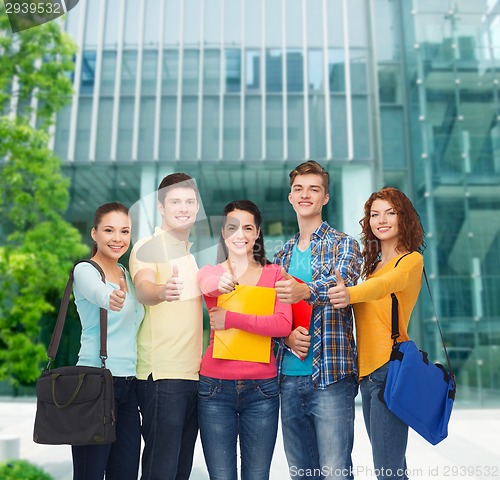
<point x="238" y="92"/>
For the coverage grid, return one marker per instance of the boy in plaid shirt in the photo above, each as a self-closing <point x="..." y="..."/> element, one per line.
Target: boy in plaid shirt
<point x="317" y="366"/>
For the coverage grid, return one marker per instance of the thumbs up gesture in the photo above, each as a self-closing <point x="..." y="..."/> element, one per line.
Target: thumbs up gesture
<point x="289" y="290"/>
<point x="174" y="286"/>
<point x="228" y="281"/>
<point x="117" y="297"/>
<point x="339" y="295"/>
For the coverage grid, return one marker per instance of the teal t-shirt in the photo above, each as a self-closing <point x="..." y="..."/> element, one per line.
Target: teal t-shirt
<point x="300" y="267"/>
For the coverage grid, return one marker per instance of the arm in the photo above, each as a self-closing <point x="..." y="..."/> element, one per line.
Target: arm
<point x="151" y="293"/>
<point x="347" y="262"/>
<point x="276" y="325"/>
<point x="290" y="291"/>
<point x="208" y="283"/>
<point x="215" y="281"/>
<point x="393" y="281"/>
<point x="148" y="291"/>
<point x="89" y="283"/>
<point x="144" y="276"/>
<point x="287" y="288"/>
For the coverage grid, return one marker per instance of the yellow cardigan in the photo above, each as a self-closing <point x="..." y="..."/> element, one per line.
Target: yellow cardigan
<point x="372" y="309"/>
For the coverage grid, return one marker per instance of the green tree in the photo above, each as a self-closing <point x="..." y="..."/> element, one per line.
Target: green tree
<point x="39" y="246"/>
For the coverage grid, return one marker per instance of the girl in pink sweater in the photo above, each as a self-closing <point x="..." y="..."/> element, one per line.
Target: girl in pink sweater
<point x="240" y="398"/>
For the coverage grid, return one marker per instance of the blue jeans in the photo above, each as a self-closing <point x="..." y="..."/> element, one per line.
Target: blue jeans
<point x="318" y="427"/>
<point x="388" y="434"/>
<point x="247" y="409"/>
<point x="120" y="460"/>
<point x="169" y="427"/>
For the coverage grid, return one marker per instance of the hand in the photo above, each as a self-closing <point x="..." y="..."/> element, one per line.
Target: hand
<point x="174" y="286"/>
<point x="217" y="318"/>
<point x="117" y="297"/>
<point x="227" y="281"/>
<point x="290" y="291"/>
<point x="299" y="341"/>
<point x="339" y="295"/>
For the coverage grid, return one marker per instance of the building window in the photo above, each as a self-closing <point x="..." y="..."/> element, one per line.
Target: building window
<point x="294" y="71"/>
<point x="315" y="71"/>
<point x="190" y="74"/>
<point x="233" y="70"/>
<point x="170" y="72"/>
<point x="274" y="70"/>
<point x="336" y="69"/>
<point x="252" y="70"/>
<point x="88" y="71"/>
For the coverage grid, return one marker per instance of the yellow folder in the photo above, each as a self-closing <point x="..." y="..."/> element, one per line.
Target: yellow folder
<point x="236" y="344"/>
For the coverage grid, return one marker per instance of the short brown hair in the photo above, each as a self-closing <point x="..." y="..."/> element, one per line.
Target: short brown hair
<point x="311" y="168"/>
<point x="172" y="180"/>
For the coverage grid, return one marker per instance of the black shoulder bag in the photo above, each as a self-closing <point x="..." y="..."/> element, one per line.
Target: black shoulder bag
<point x="75" y="405"/>
<point x="420" y="393"/>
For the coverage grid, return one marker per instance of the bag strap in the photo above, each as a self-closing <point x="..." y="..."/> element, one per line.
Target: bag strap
<point x="395" y="310"/>
<point x="395" y="317"/>
<point x="61" y="317"/>
<point x="438" y="324"/>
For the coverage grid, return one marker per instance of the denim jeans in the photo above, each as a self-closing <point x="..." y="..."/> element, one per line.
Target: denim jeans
<point x="247" y="409"/>
<point x="120" y="460"/>
<point x="169" y="427"/>
<point x="318" y="427"/>
<point x="388" y="434"/>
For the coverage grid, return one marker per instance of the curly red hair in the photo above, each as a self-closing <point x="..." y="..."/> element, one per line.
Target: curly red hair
<point x="411" y="233"/>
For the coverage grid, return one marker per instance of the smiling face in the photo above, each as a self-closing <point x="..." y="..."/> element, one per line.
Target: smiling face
<point x="308" y="195"/>
<point x="240" y="233"/>
<point x="384" y="221"/>
<point x="112" y="234"/>
<point x="179" y="209"/>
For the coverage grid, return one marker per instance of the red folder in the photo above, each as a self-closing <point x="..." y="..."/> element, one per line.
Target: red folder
<point x="301" y="312"/>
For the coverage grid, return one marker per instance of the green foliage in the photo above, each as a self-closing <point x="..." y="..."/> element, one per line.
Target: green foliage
<point x="22" y="470"/>
<point x="39" y="245"/>
<point x="27" y="178"/>
<point x="40" y="59"/>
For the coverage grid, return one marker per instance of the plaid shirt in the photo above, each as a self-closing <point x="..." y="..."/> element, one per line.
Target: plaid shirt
<point x="334" y="350"/>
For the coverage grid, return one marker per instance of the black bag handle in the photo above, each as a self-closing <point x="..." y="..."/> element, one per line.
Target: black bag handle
<point x="55" y="376"/>
<point x="395" y="317"/>
<point x="61" y="317"/>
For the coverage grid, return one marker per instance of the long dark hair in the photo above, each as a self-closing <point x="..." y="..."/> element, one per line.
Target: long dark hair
<point x="411" y="233"/>
<point x="259" y="251"/>
<point x="104" y="210"/>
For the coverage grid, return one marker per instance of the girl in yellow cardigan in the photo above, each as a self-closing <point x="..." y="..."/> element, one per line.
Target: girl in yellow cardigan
<point x="391" y="228"/>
